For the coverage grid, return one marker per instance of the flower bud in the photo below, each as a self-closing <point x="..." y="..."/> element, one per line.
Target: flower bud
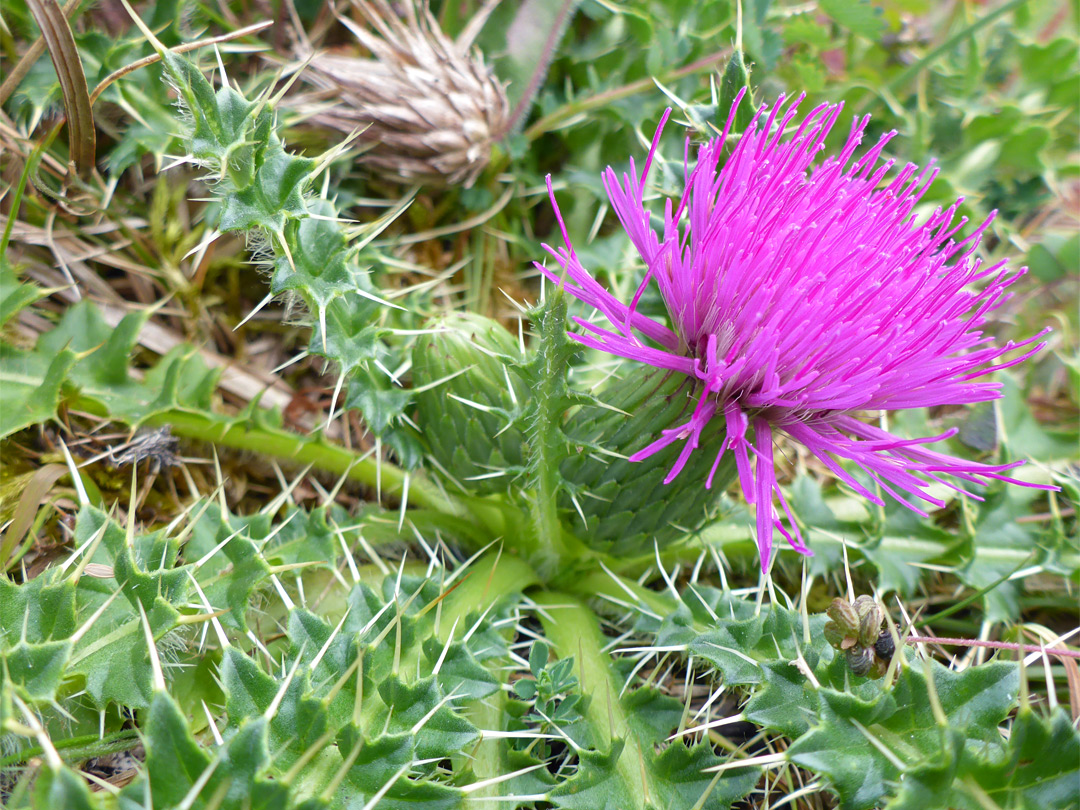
<point x="471" y="421"/>
<point x="834" y="635"/>
<point x="870" y="625"/>
<point x="860" y="659"/>
<point x="863" y="604"/>
<point x="428" y="107"/>
<point x="626" y="505"/>
<point x="885" y="646"/>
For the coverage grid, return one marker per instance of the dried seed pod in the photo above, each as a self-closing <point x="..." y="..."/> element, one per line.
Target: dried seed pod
<point x="860" y="659"/>
<point x="428" y="106"/>
<point x="870" y="625"/>
<point x="841" y="612"/>
<point x="834" y="635"/>
<point x="885" y="646"/>
<point x="863" y="605"/>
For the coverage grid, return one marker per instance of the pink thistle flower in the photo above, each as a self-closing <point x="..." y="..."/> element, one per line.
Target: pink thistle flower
<point x="798" y="296"/>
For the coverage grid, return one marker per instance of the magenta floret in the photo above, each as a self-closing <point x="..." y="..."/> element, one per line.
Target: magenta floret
<point x="800" y="295"/>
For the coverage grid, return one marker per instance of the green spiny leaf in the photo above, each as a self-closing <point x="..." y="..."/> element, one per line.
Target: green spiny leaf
<point x="64" y="788"/>
<point x="15" y="295"/>
<point x="1037" y="768"/>
<point x="847" y="744"/>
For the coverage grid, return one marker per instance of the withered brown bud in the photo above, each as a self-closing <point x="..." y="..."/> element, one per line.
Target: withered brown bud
<point x="429" y="108"/>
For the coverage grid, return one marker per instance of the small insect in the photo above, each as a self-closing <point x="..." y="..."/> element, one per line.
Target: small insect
<point x="157" y="447"/>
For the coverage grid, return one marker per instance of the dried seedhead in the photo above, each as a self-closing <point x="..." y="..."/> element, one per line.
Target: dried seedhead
<point x="429" y="107"/>
<point x="855" y="629"/>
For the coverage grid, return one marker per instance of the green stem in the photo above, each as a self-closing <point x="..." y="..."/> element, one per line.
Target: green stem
<point x="76" y="749"/>
<point x="474" y="519"/>
<point x="601" y="584"/>
<point x="473" y="535"/>
<point x="488" y="759"/>
<point x="16" y="198"/>
<point x="548" y="439"/>
<point x="574" y="630"/>
<point x="494" y="576"/>
<point x="387" y="477"/>
<point x="568" y="111"/>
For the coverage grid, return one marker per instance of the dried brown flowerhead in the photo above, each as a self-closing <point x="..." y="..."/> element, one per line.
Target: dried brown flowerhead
<point x="430" y="107"/>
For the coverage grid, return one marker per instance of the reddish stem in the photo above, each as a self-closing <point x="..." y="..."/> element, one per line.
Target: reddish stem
<point x="996" y="645"/>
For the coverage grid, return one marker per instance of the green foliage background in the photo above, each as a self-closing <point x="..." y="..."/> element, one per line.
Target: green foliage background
<point x="407" y="621"/>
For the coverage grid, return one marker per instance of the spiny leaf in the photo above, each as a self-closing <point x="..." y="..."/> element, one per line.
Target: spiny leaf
<point x="442" y="731"/>
<point x="64" y="788"/>
<point x="15" y="295"/>
<point x="178" y="769"/>
<point x="36" y="611"/>
<point x="263" y="189"/>
<point x="851" y="735"/>
<point x="36" y="670"/>
<point x="686" y="783"/>
<point x="1037" y="769"/>
<point x="382" y="760"/>
<point x="31" y="387"/>
<point x="596" y="786"/>
<point x="736" y="78"/>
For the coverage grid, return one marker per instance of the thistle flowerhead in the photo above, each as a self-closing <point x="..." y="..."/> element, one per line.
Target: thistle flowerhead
<point x="800" y="294"/>
<point x="428" y="106"/>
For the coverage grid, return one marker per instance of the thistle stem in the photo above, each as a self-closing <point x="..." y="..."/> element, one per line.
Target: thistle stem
<point x="548" y="437"/>
<point x="574" y="631"/>
<point x="303" y="450"/>
<point x="615" y="587"/>
<point x="78" y="748"/>
<point x="488" y="759"/>
<point x="962" y="35"/>
<point x="577" y="107"/>
<point x="491" y="578"/>
<point x="994" y="645"/>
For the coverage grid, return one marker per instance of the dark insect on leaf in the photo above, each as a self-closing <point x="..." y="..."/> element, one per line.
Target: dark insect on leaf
<point x="158" y="447"/>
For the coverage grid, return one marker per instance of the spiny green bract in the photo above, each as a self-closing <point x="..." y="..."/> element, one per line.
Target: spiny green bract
<point x="502" y="420"/>
<point x="471" y="399"/>
<point x="625" y="507"/>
